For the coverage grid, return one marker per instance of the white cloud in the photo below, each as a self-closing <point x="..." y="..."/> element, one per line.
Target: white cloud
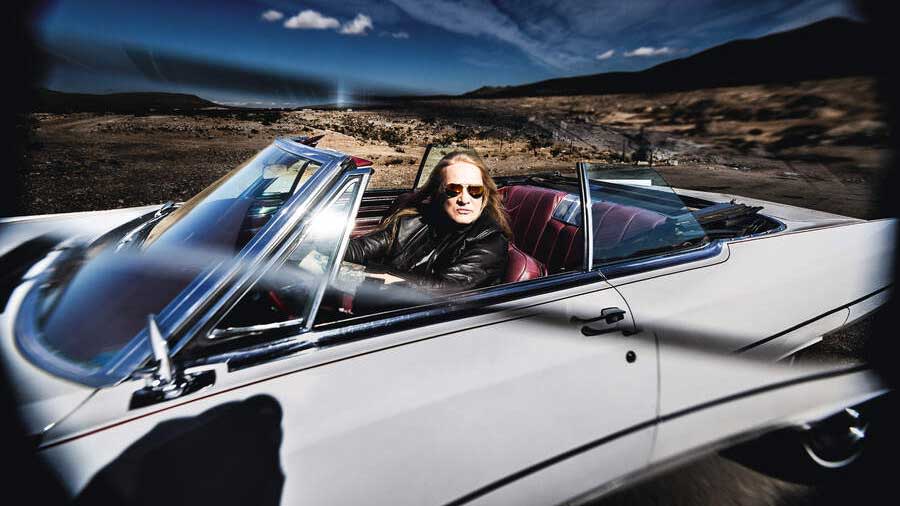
<point x="649" y="51"/>
<point x="546" y="45"/>
<point x="311" y="20"/>
<point x="358" y="25"/>
<point x="272" y="15"/>
<point x="606" y="55"/>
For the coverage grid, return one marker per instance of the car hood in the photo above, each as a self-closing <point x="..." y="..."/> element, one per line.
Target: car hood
<point x="795" y="218"/>
<point x="90" y="224"/>
<point x="43" y="399"/>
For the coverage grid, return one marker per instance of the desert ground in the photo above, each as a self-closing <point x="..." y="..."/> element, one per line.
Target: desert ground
<point x="818" y="144"/>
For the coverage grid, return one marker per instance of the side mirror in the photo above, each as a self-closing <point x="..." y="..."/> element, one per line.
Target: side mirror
<point x="164" y="381"/>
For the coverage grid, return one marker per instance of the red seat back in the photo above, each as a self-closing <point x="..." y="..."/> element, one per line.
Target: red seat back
<point x="522" y="267"/>
<point x="559" y="245"/>
<point x="555" y="244"/>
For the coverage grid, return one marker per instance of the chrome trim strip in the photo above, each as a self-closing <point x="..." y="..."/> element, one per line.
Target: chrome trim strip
<point x="587" y="218"/>
<point x="317" y="155"/>
<point x="628" y="267"/>
<point x="251" y="330"/>
<point x="814" y="319"/>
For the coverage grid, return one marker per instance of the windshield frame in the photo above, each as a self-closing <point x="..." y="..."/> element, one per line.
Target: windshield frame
<point x="176" y="319"/>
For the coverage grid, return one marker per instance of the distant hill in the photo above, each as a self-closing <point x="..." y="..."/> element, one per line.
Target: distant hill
<point x="143" y="102"/>
<point x="834" y="47"/>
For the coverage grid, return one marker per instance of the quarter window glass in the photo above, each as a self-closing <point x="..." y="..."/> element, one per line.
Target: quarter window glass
<point x="287" y="293"/>
<point x="635" y="214"/>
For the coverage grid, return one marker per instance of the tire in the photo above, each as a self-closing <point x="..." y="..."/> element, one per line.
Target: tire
<point x="814" y="454"/>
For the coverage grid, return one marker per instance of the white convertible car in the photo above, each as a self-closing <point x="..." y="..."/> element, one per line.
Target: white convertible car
<point x="220" y="346"/>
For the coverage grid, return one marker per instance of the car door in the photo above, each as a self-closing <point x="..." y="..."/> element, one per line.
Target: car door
<point x="438" y="403"/>
<point x="424" y="415"/>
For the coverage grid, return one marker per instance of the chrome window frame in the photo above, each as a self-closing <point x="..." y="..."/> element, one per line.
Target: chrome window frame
<point x="587" y="216"/>
<point x="180" y="317"/>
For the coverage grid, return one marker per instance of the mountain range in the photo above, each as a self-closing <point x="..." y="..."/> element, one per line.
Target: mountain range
<point x="833" y="47"/>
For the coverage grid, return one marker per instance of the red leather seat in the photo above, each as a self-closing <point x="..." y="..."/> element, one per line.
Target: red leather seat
<point x="522" y="267"/>
<point x="614" y="223"/>
<point x="558" y="245"/>
<point x="554" y="244"/>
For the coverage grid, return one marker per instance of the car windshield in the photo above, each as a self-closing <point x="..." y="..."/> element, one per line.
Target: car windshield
<point x="121" y="281"/>
<point x="234" y="208"/>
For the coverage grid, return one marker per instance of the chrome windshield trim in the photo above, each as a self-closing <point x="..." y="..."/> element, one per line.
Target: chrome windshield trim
<point x="217" y="310"/>
<point x="317" y="155"/>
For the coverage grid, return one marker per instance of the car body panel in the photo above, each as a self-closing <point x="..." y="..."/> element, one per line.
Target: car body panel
<point x="792" y="400"/>
<point x="88" y="224"/>
<point x="482" y="392"/>
<point x="43" y="399"/>
<point x="572" y="478"/>
<point x="720" y="307"/>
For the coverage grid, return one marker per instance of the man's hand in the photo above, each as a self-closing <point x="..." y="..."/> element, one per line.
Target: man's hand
<point x="388" y="278"/>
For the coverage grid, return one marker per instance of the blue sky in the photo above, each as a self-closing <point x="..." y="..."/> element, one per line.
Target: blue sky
<point x="293" y="53"/>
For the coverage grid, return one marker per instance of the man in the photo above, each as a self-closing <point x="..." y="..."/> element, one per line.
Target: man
<point x="453" y="234"/>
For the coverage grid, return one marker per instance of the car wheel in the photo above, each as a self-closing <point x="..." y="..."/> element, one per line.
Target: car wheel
<point x="838" y="441"/>
<point x="814" y="453"/>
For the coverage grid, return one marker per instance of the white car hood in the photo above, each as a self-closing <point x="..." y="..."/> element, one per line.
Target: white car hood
<point x="43" y="399"/>
<point x="90" y="224"/>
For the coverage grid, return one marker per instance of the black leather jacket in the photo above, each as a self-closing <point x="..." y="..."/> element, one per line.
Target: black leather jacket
<point x="437" y="257"/>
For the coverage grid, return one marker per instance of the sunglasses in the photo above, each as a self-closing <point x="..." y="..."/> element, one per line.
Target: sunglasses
<point x="476" y="191"/>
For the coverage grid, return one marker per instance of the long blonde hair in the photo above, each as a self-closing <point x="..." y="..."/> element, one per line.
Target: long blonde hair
<point x="430" y="193"/>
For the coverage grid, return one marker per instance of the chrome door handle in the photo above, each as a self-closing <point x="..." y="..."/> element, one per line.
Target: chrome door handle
<point x="610" y="316"/>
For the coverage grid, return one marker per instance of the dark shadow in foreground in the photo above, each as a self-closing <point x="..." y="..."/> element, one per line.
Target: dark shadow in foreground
<point x="226" y="455"/>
